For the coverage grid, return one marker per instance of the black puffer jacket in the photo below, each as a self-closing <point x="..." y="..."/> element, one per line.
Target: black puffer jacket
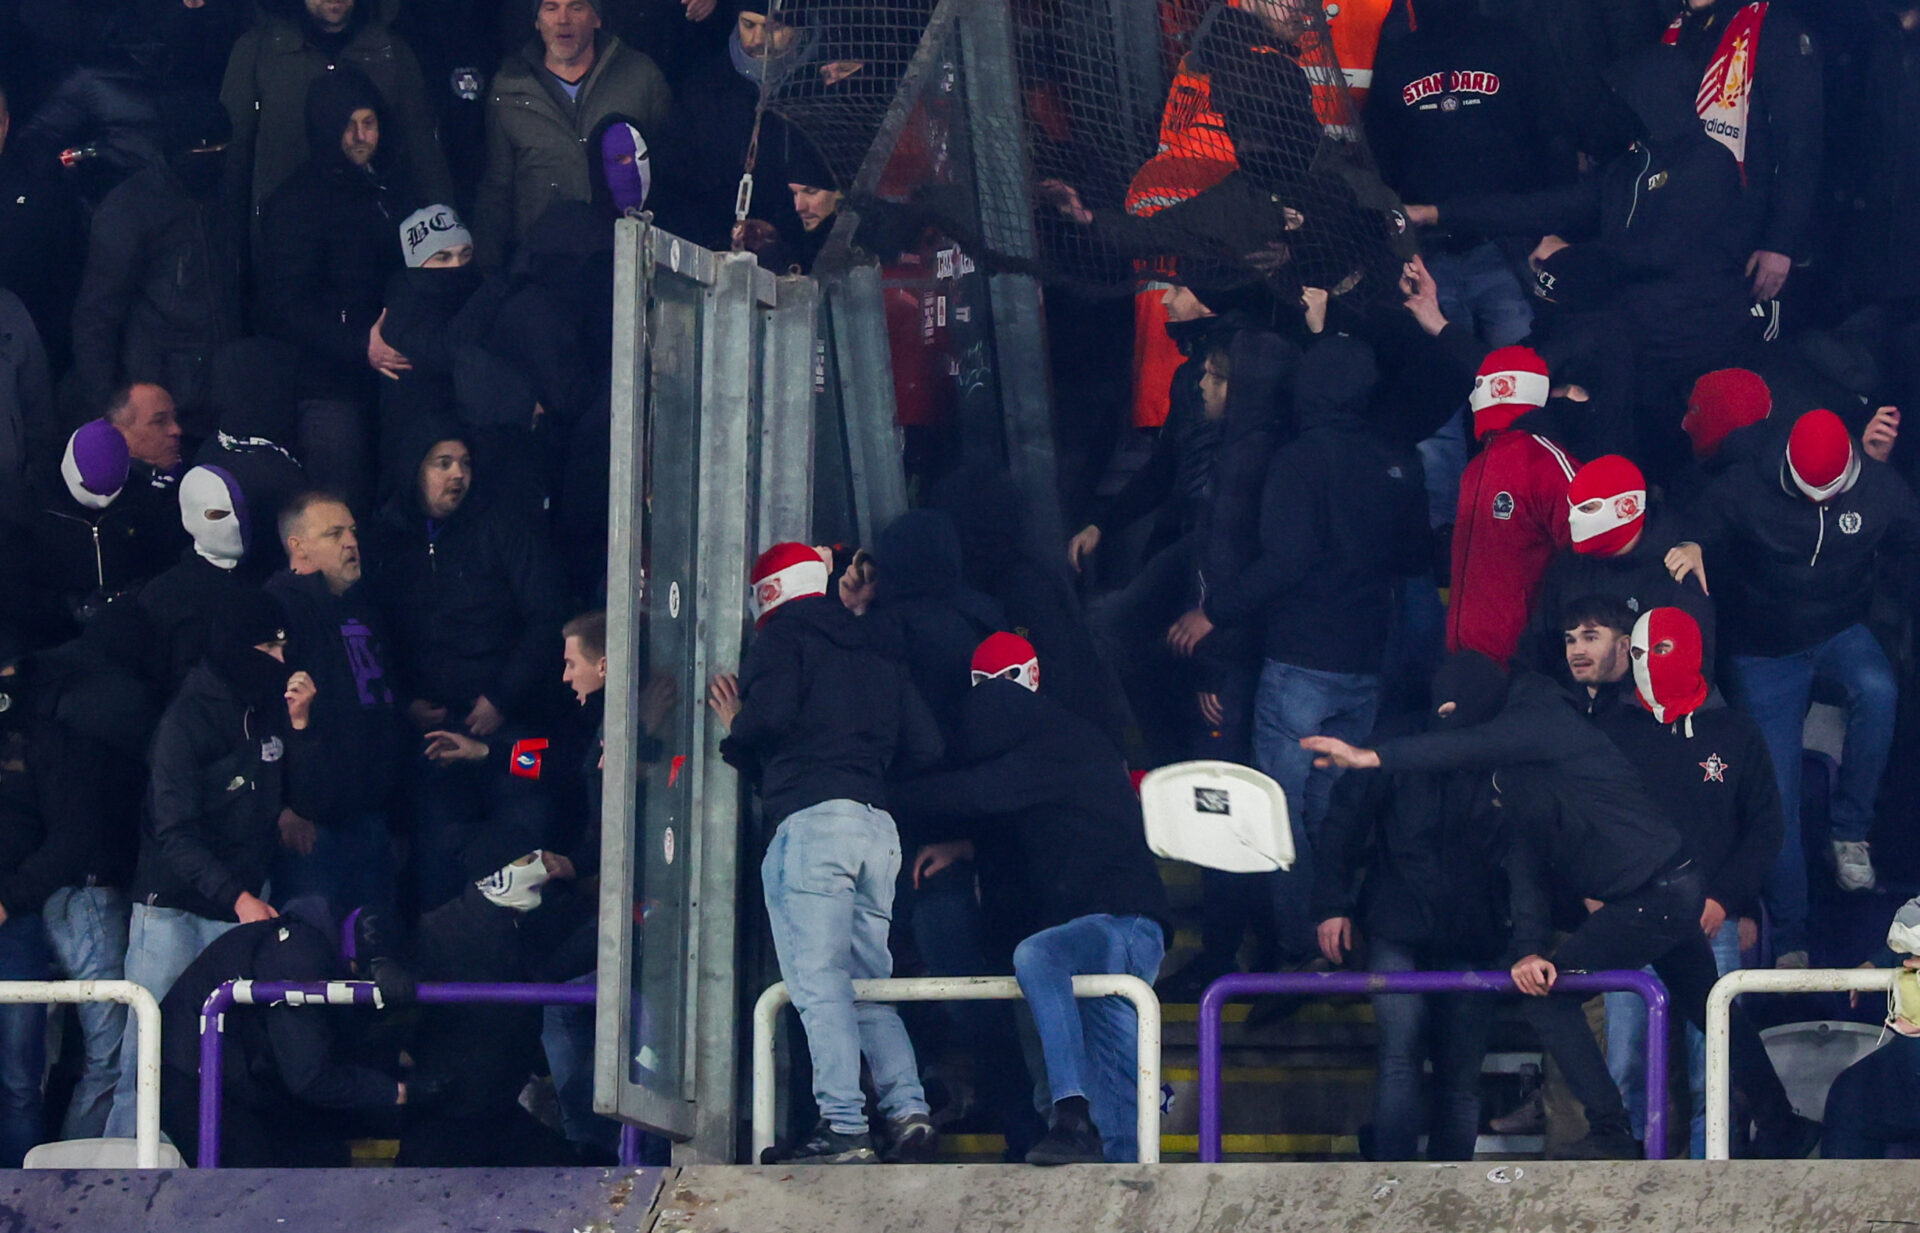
<point x="161" y="291"/>
<point x="1055" y="821"/>
<point x="473" y="605"/>
<point x="219" y="779"/>
<point x="1790" y="574"/>
<point x="334" y="232"/>
<point x="824" y="715"/>
<point x="925" y="615"/>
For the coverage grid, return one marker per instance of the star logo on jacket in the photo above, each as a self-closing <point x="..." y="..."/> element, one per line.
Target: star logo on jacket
<point x="1715" y="768"/>
<point x="1850" y="523"/>
<point x="1503" y="505"/>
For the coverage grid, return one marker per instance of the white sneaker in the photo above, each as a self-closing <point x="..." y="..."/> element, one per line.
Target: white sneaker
<point x="1852" y="866"/>
<point x="1792" y="959"/>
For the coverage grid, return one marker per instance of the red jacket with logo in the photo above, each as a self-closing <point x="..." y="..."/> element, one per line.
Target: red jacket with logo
<point x="1512" y="519"/>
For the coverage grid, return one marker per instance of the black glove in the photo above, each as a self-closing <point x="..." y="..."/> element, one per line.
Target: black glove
<point x="425" y="1089"/>
<point x="394" y="982"/>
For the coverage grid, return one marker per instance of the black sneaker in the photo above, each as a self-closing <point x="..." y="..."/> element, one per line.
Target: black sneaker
<point x="1073" y="1140"/>
<point x="823" y="1147"/>
<point x="1602" y="1145"/>
<point x="911" y="1139"/>
<point x="1793" y="1139"/>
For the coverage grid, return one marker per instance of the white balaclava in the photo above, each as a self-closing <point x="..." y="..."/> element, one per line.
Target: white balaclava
<point x="215" y="514"/>
<point x="517" y="885"/>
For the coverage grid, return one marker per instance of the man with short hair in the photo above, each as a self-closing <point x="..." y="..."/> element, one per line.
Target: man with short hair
<point x="144" y="414"/>
<point x="1594" y="632"/>
<point x="547" y="99"/>
<point x="333" y="833"/>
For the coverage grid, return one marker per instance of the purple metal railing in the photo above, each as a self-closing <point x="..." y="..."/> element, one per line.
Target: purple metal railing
<point x="355" y="993"/>
<point x="1323" y="984"/>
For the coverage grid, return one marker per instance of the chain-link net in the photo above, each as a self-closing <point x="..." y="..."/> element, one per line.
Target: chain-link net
<point x="1094" y="142"/>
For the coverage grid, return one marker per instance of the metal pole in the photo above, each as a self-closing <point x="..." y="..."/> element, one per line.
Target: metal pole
<point x="146" y="1014"/>
<point x="1320" y="984"/>
<point x="1764" y="980"/>
<point x="766" y="1013"/>
<point x="324" y="993"/>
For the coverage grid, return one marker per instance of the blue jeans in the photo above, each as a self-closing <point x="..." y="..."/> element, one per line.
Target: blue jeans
<point x="1776" y="692"/>
<point x="87" y="931"/>
<point x="1292" y="703"/>
<point x="828" y="877"/>
<point x="1092" y="1044"/>
<point x="1479" y="289"/>
<point x="1451" y="1029"/>
<point x="566" y="1034"/>
<point x="1875" y="1103"/>
<point x="23" y="1039"/>
<point x="1627" y="1047"/>
<point x="351" y="865"/>
<point x="161" y="942"/>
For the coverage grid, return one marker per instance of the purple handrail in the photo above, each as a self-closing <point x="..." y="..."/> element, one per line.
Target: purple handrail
<point x="356" y="993"/>
<point x="1321" y="984"/>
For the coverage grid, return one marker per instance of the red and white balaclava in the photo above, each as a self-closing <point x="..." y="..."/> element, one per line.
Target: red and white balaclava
<point x="1512" y="381"/>
<point x="1606" y="506"/>
<point x="1666" y="650"/>
<point x="1722" y="402"/>
<point x="1010" y="656"/>
<point x="784" y="573"/>
<point x="1821" y="459"/>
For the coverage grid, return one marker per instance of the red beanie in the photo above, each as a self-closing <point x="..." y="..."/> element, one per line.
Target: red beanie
<point x="1722" y="401"/>
<point x="1512" y="381"/>
<point x="1820" y="456"/>
<point x="1007" y="655"/>
<point x="1669" y="682"/>
<point x="786" y="572"/>
<point x="1606" y="506"/>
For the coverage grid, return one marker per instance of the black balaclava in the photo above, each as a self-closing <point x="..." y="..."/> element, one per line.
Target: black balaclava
<point x="193" y="121"/>
<point x="256" y="678"/>
<point x="1475" y="685"/>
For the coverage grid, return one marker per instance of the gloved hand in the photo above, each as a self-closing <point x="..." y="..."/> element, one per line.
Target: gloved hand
<point x="425" y="1089"/>
<point x="395" y="983"/>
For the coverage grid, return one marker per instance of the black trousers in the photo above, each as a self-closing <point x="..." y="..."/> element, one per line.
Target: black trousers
<point x="1657" y="925"/>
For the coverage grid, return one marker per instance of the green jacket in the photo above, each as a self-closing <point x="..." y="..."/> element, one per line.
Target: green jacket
<point x="265" y="94"/>
<point x="536" y="153"/>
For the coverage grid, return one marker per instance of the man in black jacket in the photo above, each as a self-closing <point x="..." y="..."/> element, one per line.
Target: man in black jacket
<point x="40" y="239"/>
<point x="292" y="1091"/>
<point x="819" y="718"/>
<point x="1583" y="828"/>
<point x="1726" y="807"/>
<point x="334" y="842"/>
<point x="1055" y="825"/>
<point x="1343" y="517"/>
<point x="1799" y="535"/>
<point x="473" y="611"/>
<point x="221" y="759"/>
<point x="327" y="245"/>
<point x="161" y="291"/>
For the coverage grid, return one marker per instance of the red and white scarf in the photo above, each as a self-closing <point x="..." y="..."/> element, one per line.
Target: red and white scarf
<point x="1726" y="91"/>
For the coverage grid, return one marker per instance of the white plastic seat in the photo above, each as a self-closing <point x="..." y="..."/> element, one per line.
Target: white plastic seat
<point x="1217" y="814"/>
<point x="1810" y="1056"/>
<point x="96" y="1154"/>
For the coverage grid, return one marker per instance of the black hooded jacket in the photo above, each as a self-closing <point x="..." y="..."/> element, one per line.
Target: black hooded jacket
<point x="333" y="232"/>
<point x="1638" y="579"/>
<point x="1582" y="823"/>
<point x="178" y="608"/>
<point x="1655" y="231"/>
<point x="925" y="615"/>
<point x="472" y="604"/>
<point x="1055" y="821"/>
<point x="1790" y="574"/>
<point x="824" y="714"/>
<point x="1342" y="517"/>
<point x="56" y="822"/>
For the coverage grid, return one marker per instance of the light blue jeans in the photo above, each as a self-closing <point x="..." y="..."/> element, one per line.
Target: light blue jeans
<point x="161" y="943"/>
<point x="828" y="877"/>
<point x="1627" y="1047"/>
<point x="87" y="929"/>
<point x="1091" y="1044"/>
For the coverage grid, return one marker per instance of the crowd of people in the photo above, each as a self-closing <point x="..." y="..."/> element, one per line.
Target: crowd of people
<point x="306" y="485"/>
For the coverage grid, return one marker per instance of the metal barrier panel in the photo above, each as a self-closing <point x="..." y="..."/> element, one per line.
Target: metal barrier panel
<point x="1764" y="980"/>
<point x="1321" y="984"/>
<point x="971" y="989"/>
<point x="146" y="1013"/>
<point x="213" y="1023"/>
